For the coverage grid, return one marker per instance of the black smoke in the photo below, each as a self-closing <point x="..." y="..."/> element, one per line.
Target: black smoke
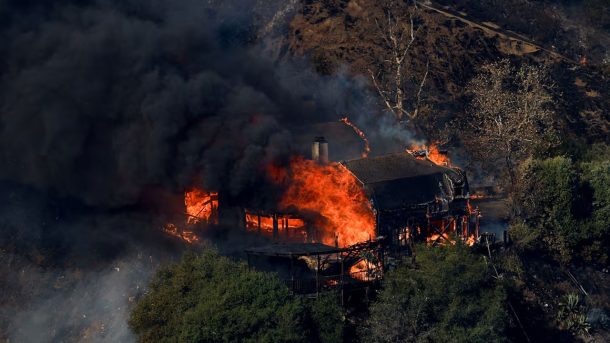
<point x="105" y="102"/>
<point x="102" y="100"/>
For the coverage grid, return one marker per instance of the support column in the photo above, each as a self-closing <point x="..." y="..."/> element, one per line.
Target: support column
<point x="318" y="277"/>
<point x="341" y="283"/>
<point x="275" y="226"/>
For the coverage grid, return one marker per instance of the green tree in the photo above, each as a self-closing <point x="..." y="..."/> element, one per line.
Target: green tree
<point x="210" y="298"/>
<point x="446" y="295"/>
<point x="595" y="230"/>
<point x="327" y="319"/>
<point x="565" y="206"/>
<point x="546" y="190"/>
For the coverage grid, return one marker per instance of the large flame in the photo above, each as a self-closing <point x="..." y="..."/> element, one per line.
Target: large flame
<point x="367" y="147"/>
<point x="432" y="153"/>
<point x="200" y="205"/>
<point x="344" y="214"/>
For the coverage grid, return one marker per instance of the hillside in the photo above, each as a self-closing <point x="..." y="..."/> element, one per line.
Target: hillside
<point x="338" y="34"/>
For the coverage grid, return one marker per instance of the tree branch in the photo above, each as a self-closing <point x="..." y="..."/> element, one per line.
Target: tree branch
<point x="381" y="93"/>
<point x="421" y="87"/>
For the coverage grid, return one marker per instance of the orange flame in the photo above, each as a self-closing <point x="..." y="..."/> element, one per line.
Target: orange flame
<point x="432" y="153"/>
<point x="200" y="205"/>
<point x="252" y="222"/>
<point x="365" y="271"/>
<point x="367" y="147"/>
<point x="344" y="213"/>
<point x="438" y="238"/>
<point x="186" y="235"/>
<point x="266" y="222"/>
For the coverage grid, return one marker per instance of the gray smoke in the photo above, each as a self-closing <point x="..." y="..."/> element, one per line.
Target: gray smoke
<point x="81" y="305"/>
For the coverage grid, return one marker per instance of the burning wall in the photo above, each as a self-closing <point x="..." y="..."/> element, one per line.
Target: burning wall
<point x="331" y="198"/>
<point x="273" y="224"/>
<point x="201" y="206"/>
<point x="416" y="197"/>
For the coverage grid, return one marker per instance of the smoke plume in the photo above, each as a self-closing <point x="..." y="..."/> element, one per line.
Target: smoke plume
<point x="102" y="99"/>
<point x="104" y="102"/>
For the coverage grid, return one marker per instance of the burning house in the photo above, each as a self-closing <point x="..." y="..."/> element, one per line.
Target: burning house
<point x="395" y="199"/>
<point x="416" y="199"/>
<point x="399" y="199"/>
<point x="402" y="198"/>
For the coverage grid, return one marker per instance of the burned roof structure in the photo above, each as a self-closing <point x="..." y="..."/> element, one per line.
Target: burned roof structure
<point x="400" y="181"/>
<point x="414" y="198"/>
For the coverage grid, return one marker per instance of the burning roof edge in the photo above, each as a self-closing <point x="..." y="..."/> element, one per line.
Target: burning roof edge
<point x="394" y="166"/>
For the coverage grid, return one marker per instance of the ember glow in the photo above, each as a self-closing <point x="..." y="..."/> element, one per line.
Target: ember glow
<point x="365" y="271"/>
<point x="367" y="147"/>
<point x="187" y="235"/>
<point x="440" y="238"/>
<point x="432" y="153"/>
<point x="200" y="206"/>
<point x="252" y="222"/>
<point x="583" y="60"/>
<point x="343" y="212"/>
<point x="266" y="222"/>
<point x="448" y="231"/>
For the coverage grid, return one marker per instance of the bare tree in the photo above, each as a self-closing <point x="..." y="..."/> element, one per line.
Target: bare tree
<point x="398" y="36"/>
<point x="511" y="113"/>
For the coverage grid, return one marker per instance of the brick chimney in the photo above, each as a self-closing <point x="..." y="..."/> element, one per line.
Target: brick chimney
<point x="319" y="150"/>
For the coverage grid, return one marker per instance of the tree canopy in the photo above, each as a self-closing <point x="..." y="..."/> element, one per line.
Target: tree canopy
<point x="564" y="206"/>
<point x="511" y="114"/>
<point x="446" y="295"/>
<point x="210" y="298"/>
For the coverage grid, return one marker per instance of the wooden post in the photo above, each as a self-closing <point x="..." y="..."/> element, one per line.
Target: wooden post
<point x="454" y="225"/>
<point x="285" y="222"/>
<point x="477" y="222"/>
<point x="464" y="226"/>
<point x="259" y="223"/>
<point x="292" y="274"/>
<point x="341" y="283"/>
<point x="318" y="277"/>
<point x="275" y="226"/>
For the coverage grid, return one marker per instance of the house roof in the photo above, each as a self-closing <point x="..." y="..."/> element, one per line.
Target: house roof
<point x="401" y="180"/>
<point x="391" y="167"/>
<point x="408" y="192"/>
